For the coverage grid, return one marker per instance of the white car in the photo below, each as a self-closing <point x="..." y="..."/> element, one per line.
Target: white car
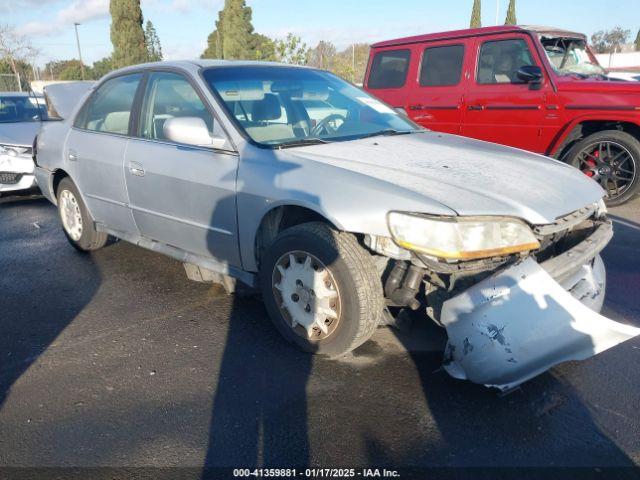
<point x="20" y="117"/>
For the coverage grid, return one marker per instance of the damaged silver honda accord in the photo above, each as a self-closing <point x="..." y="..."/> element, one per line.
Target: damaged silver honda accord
<point x="339" y="209"/>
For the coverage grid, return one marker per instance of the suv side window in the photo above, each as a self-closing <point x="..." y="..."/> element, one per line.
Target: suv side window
<point x="109" y="108"/>
<point x="500" y="61"/>
<point x="170" y="95"/>
<point x="389" y="69"/>
<point x="442" y="66"/>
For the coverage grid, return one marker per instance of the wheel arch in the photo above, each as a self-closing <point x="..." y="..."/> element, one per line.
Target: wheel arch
<point x="584" y="126"/>
<point x="56" y="177"/>
<point x="281" y="217"/>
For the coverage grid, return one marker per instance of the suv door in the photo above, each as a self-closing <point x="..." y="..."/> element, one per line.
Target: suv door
<point x="95" y="151"/>
<point x="388" y="75"/>
<point x="500" y="107"/>
<point x="181" y="195"/>
<point x="435" y="102"/>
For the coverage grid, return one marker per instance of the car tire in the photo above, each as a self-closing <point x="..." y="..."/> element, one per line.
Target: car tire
<point x="333" y="277"/>
<point x="611" y="158"/>
<point x="77" y="224"/>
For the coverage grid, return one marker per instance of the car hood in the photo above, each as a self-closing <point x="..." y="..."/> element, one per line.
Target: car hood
<point x="19" y="133"/>
<point x="468" y="176"/>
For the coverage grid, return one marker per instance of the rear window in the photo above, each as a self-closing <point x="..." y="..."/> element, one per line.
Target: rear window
<point x="442" y="66"/>
<point x="389" y="69"/>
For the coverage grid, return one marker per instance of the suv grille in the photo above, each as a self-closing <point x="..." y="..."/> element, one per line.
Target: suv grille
<point x="9" y="178"/>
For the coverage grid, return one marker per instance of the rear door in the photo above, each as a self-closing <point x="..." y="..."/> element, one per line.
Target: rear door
<point x="389" y="72"/>
<point x="182" y="195"/>
<point x="96" y="148"/>
<point x="501" y="108"/>
<point x="437" y="93"/>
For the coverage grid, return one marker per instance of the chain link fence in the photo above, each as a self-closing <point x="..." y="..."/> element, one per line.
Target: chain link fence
<point x="9" y="83"/>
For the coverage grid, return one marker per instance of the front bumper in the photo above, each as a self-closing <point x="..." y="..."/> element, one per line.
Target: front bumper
<point x="16" y="173"/>
<point x="525" y="319"/>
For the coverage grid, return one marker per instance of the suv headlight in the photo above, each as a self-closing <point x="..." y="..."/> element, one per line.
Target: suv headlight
<point x="460" y="238"/>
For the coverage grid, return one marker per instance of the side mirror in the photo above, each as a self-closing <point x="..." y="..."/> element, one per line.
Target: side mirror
<point x="531" y="74"/>
<point x="191" y="131"/>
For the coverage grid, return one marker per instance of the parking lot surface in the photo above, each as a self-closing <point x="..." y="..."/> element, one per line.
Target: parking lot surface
<point x="116" y="359"/>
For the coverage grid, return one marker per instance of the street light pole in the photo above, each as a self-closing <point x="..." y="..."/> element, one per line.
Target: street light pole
<point x="79" y="51"/>
<point x="497" y="11"/>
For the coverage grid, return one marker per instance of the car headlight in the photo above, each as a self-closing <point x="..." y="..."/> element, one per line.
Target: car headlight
<point x="460" y="238"/>
<point x="14" y="151"/>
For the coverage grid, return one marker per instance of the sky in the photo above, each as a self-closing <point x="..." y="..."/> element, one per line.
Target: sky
<point x="183" y="25"/>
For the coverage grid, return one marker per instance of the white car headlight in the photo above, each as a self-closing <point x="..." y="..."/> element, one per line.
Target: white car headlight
<point x="14" y="151"/>
<point x="460" y="238"/>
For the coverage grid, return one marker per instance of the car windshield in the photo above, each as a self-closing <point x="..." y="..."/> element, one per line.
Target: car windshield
<point x="289" y="106"/>
<point x="14" y="109"/>
<point x="570" y="56"/>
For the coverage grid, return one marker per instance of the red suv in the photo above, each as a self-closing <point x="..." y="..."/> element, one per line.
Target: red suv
<point x="539" y="89"/>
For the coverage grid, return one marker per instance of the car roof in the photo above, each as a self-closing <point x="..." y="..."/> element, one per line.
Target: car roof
<point x="474" y="32"/>
<point x="197" y="64"/>
<point x="20" y="94"/>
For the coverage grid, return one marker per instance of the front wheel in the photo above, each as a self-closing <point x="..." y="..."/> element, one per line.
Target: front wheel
<point x="610" y="158"/>
<point x="321" y="289"/>
<point x="77" y="224"/>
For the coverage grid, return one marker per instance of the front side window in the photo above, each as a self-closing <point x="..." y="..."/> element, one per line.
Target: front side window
<point x="278" y="106"/>
<point x="500" y="61"/>
<point x="170" y="95"/>
<point x="389" y="69"/>
<point x="109" y="108"/>
<point x="442" y="66"/>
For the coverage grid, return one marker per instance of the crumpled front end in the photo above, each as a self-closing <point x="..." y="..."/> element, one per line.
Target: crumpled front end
<point x="532" y="315"/>
<point x="17" y="171"/>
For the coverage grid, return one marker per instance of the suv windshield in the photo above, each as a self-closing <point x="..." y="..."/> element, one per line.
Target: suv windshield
<point x="289" y="106"/>
<point x="14" y="109"/>
<point x="570" y="56"/>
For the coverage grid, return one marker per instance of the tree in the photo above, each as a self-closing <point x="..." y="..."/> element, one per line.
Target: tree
<point x="152" y="41"/>
<point x="322" y="56"/>
<point x="263" y="48"/>
<point x="127" y="35"/>
<point x="237" y="31"/>
<point x="638" y="41"/>
<point x="214" y="40"/>
<point x="73" y="71"/>
<point x="102" y="67"/>
<point x="291" y="50"/>
<point x="16" y="49"/>
<point x="476" y="14"/>
<point x="610" y="40"/>
<point x="511" y="14"/>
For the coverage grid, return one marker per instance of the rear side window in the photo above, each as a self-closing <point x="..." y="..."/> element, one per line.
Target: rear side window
<point x="442" y="66"/>
<point x="109" y="108"/>
<point x="500" y="61"/>
<point x="389" y="69"/>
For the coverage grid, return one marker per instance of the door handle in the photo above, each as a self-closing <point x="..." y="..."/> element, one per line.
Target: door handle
<point x="136" y="169"/>
<point x="475" y="107"/>
<point x="72" y="156"/>
<point x="416" y="107"/>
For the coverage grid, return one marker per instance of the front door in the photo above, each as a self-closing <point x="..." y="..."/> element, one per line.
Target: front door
<point x="181" y="195"/>
<point x="435" y="101"/>
<point x="96" y="148"/>
<point x="500" y="107"/>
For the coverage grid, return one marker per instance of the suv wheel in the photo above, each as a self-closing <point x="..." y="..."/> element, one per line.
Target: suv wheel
<point x="77" y="224"/>
<point x="611" y="158"/>
<point x="321" y="289"/>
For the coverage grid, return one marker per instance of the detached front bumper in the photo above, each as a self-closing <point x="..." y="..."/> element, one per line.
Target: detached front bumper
<point x="16" y="173"/>
<point x="527" y="318"/>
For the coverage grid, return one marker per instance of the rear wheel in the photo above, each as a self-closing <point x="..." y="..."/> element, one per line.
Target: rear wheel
<point x="321" y="289"/>
<point x="610" y="158"/>
<point x="77" y="224"/>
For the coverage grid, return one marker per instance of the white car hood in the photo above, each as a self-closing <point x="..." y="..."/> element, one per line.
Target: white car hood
<point x="469" y="176"/>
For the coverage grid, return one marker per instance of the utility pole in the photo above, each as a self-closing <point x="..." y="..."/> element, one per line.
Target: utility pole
<point x="497" y="12"/>
<point x="353" y="57"/>
<point x="79" y="51"/>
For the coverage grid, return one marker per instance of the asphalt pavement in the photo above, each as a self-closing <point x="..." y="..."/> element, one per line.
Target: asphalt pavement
<point x="115" y="359"/>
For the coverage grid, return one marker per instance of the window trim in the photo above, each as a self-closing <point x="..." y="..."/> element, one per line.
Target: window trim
<point x="521" y="38"/>
<point x="406" y="73"/>
<point x="460" y="77"/>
